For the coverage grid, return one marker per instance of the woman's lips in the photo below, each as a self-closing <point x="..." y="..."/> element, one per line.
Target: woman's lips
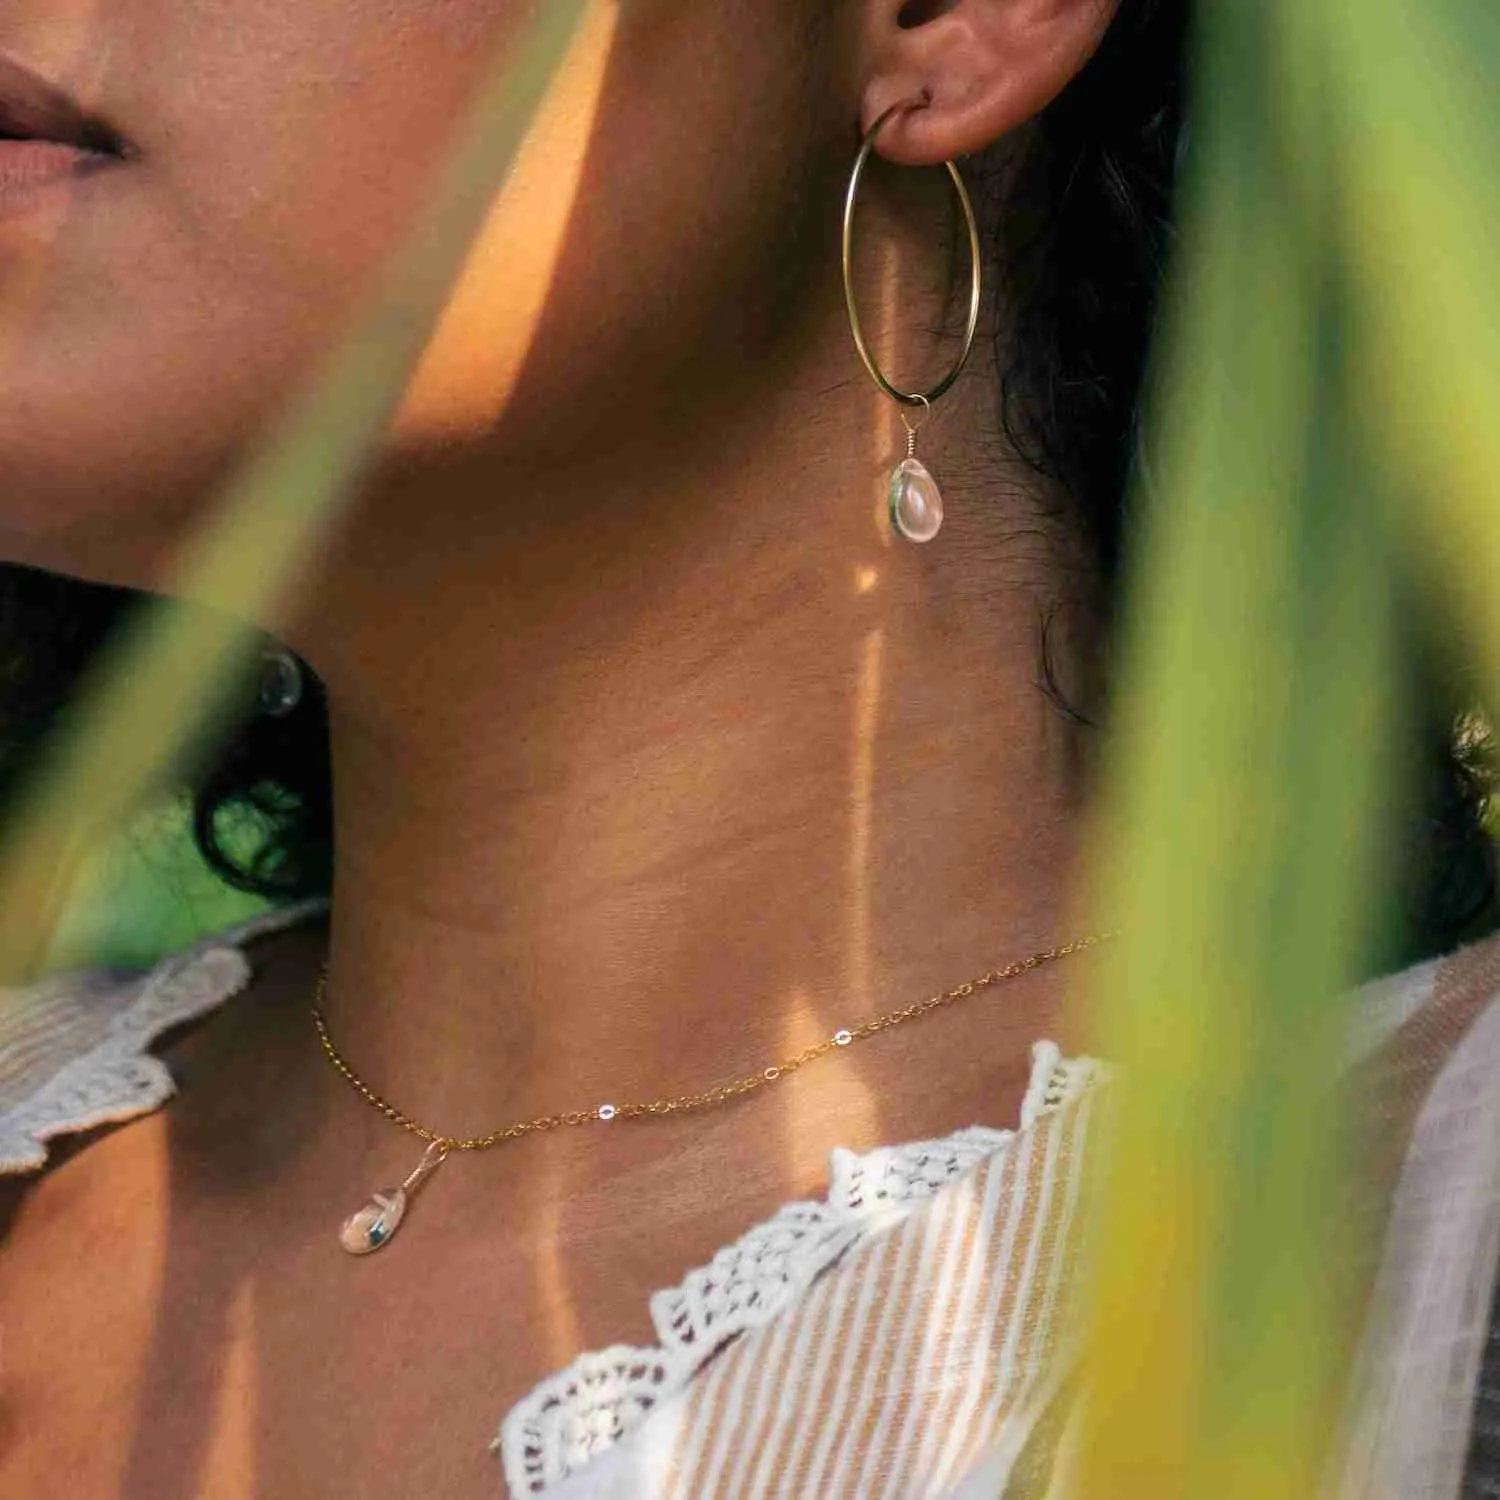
<point x="47" y="139"/>
<point x="27" y="166"/>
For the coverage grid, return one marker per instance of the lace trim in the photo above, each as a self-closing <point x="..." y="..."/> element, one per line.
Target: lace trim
<point x="574" y="1416"/>
<point x="118" y="1079"/>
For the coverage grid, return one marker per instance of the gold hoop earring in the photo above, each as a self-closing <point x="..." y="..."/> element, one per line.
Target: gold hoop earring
<point x="916" y="503"/>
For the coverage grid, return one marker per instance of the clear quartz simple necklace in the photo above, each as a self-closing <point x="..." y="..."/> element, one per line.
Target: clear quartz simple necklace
<point x="372" y="1226"/>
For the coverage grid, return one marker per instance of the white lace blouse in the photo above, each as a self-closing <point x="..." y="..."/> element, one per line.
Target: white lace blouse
<point x="906" y="1335"/>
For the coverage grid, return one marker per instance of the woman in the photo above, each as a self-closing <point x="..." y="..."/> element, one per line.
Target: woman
<point x="659" y="758"/>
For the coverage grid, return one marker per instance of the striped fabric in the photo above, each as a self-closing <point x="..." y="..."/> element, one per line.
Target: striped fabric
<point x="901" y="1367"/>
<point x="1433" y="1081"/>
<point x="1482" y="1468"/>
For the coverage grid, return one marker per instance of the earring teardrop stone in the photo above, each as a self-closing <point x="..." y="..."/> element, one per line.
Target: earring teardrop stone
<point x="916" y="501"/>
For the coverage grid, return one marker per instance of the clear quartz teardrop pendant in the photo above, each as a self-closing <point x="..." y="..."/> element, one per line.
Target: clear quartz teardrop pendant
<point x="375" y="1223"/>
<point x="368" y="1228"/>
<point x="916" y="501"/>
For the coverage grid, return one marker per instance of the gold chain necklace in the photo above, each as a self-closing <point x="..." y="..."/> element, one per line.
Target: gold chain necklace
<point x="374" y="1224"/>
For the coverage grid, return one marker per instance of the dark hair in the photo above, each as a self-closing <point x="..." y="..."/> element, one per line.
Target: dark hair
<point x="1084" y="237"/>
<point x="1082" y="244"/>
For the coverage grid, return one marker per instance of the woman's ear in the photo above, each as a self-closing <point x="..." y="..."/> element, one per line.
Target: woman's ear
<point x="976" y="68"/>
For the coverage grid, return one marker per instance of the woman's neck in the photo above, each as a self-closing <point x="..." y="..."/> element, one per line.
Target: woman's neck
<point x="648" y="776"/>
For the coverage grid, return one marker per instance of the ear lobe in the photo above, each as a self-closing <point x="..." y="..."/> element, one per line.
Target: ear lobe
<point x="973" y="71"/>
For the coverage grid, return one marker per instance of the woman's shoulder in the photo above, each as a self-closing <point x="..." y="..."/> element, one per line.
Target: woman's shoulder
<point x="914" y="1318"/>
<point x="75" y="1047"/>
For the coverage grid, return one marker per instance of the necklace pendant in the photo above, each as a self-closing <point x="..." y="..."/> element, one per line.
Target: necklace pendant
<point x="370" y="1227"/>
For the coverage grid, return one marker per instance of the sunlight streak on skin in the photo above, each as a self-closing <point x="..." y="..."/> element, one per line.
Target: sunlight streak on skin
<point x="857" y="967"/>
<point x="885" y="429"/>
<point x="564" y="1333"/>
<point x="228" y="1471"/>
<point x="857" y="991"/>
<point x="890" y="436"/>
<point x="470" y="368"/>
<point x="138" y="1315"/>
<point x="806" y="1112"/>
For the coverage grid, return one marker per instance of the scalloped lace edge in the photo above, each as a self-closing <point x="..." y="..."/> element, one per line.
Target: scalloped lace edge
<point x="581" y="1412"/>
<point x="117" y="1079"/>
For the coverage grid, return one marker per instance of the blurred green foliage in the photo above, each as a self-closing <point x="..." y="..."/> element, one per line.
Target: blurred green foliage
<point x="1324" y="448"/>
<point x="144" y="894"/>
